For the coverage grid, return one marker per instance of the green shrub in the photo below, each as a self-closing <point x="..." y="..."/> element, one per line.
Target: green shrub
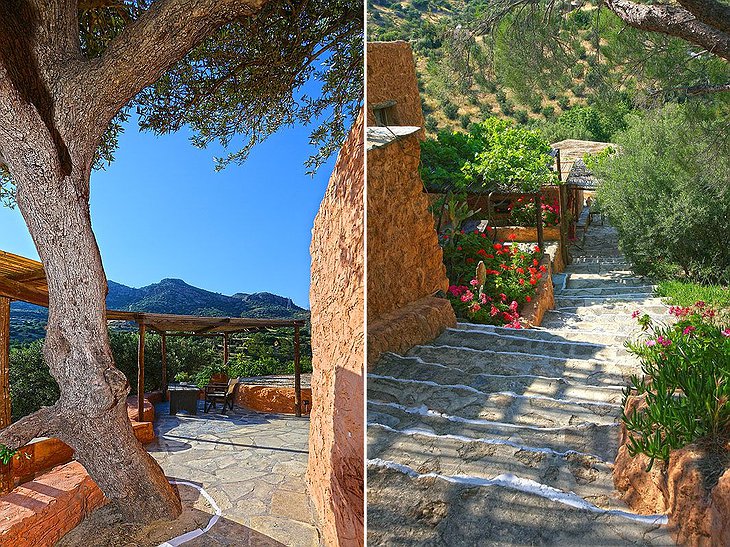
<point x="685" y="385"/>
<point x="464" y="120"/>
<point x="521" y="116"/>
<point x="666" y="192"/>
<point x="451" y="111"/>
<point x="31" y="383"/>
<point x="564" y="102"/>
<point x="513" y="158"/>
<point x="548" y="112"/>
<point x="432" y="123"/>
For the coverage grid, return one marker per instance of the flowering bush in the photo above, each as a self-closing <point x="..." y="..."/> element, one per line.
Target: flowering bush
<point x="686" y="383"/>
<point x="522" y="212"/>
<point x="505" y="279"/>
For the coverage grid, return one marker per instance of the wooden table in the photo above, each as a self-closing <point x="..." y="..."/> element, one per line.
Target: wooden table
<point x="183" y="397"/>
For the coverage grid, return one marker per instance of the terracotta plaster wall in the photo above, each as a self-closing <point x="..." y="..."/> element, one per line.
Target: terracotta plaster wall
<point x="405" y="262"/>
<point x="391" y="74"/>
<point x="335" y="471"/>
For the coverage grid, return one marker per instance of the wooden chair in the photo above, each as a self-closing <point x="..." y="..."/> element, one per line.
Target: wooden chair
<point x="220" y="393"/>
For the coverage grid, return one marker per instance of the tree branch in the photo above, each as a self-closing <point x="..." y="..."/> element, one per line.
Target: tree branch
<point x="39" y="424"/>
<point x="152" y="44"/>
<point x="673" y="21"/>
<point x="711" y="12"/>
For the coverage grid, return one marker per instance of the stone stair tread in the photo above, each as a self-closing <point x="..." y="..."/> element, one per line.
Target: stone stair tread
<point x="415" y="368"/>
<point x="472" y="404"/>
<point x="528" y="344"/>
<point x="438" y="512"/>
<point x="583" y="474"/>
<point x="599" y="440"/>
<point x="589" y="372"/>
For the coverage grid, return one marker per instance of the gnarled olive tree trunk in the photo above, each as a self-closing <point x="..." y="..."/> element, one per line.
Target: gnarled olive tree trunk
<point x="55" y="106"/>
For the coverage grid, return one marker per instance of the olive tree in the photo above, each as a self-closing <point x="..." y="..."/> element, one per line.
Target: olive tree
<point x="70" y="71"/>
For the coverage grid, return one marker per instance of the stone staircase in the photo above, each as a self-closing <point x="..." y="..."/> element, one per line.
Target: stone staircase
<point x="495" y="436"/>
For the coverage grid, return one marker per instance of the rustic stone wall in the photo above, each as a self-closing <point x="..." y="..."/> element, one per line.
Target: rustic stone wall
<point x="276" y="399"/>
<point x="391" y="75"/>
<point x="41" y="511"/>
<point x="336" y="461"/>
<point x="405" y="262"/>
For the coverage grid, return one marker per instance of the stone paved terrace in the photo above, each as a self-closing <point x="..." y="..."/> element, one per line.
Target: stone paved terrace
<point x="252" y="464"/>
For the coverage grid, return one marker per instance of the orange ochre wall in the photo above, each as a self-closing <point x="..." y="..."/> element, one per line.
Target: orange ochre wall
<point x="336" y="462"/>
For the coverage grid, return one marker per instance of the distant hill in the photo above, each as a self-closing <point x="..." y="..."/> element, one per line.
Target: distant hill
<point x="168" y="296"/>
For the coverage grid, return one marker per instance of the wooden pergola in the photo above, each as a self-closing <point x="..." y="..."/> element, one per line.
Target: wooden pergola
<point x="166" y="324"/>
<point x="24" y="279"/>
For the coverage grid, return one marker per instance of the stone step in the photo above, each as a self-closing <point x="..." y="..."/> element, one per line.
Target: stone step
<point x="541" y="333"/>
<point x="586" y="475"/>
<point x="585" y="371"/>
<point x="590" y="438"/>
<point x="634" y="299"/>
<point x="582" y="281"/>
<point x="409" y="509"/>
<point x="470" y="403"/>
<point x="532" y="344"/>
<point x="603" y="269"/>
<point x="414" y="368"/>
<point x="620" y="309"/>
<point x="614" y="291"/>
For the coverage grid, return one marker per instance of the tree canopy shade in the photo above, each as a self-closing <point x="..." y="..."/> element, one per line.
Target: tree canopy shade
<point x="70" y="71"/>
<point x="628" y="52"/>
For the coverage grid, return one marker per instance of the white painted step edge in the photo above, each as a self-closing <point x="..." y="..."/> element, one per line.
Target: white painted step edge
<point x="528" y="486"/>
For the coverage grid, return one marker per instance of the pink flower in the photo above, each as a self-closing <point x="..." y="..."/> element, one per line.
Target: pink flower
<point x="468" y="295"/>
<point x="474" y="282"/>
<point x="635" y="314"/>
<point x="700" y="304"/>
<point x="513" y="305"/>
<point x="651" y="343"/>
<point x="689" y="330"/>
<point x="502" y="297"/>
<point x="494" y="311"/>
<point x="726" y="332"/>
<point x="663" y="341"/>
<point x="474" y="307"/>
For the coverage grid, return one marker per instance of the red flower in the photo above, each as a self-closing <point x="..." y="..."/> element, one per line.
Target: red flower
<point x="459" y="248"/>
<point x="512" y="237"/>
<point x="533" y="281"/>
<point x="484" y="235"/>
<point x="497" y="246"/>
<point x="528" y="298"/>
<point x="502" y="297"/>
<point x="470" y="261"/>
<point x="535" y="262"/>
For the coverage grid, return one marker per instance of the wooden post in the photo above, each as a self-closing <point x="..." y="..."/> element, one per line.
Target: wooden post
<point x="4" y="362"/>
<point x="140" y="374"/>
<point x="297" y="373"/>
<point x="163" y="347"/>
<point x="563" y="199"/>
<point x="225" y="348"/>
<point x="538" y="209"/>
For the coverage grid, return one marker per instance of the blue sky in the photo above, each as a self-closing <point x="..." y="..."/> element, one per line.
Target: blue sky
<point x="160" y="210"/>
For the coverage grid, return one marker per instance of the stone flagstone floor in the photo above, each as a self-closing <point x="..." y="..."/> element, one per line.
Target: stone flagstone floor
<point x="252" y="464"/>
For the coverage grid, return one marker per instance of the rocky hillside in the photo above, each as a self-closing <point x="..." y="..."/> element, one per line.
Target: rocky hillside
<point x="167" y="296"/>
<point x="459" y="89"/>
